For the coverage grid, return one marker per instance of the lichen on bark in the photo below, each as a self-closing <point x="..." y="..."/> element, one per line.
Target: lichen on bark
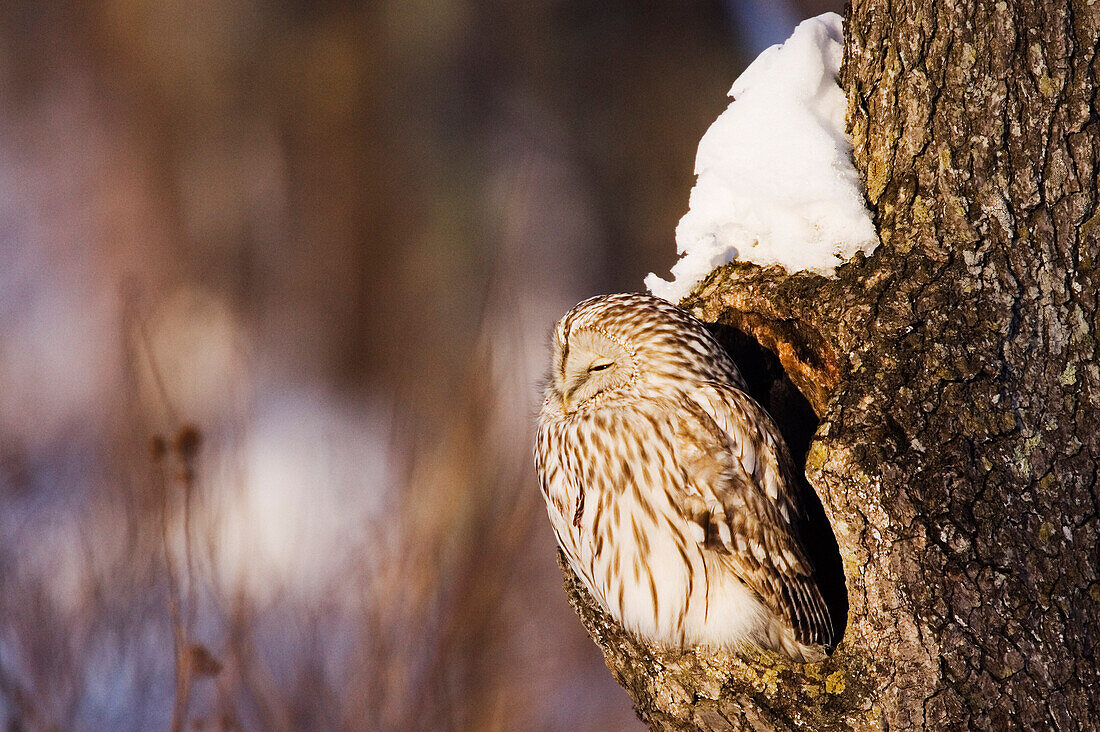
<point x="956" y="379"/>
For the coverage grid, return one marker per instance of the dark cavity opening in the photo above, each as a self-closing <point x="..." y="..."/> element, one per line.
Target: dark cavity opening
<point x="770" y="386"/>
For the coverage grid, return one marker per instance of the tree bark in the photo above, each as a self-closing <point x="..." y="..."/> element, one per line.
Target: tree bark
<point x="955" y="376"/>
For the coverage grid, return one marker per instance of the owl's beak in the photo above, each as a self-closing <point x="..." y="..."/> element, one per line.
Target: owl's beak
<point x="567" y="394"/>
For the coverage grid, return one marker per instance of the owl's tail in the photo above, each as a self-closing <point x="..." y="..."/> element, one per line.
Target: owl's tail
<point x="777" y="636"/>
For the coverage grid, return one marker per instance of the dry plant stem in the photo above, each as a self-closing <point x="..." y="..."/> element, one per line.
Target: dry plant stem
<point x="189" y="595"/>
<point x="182" y="602"/>
<point x="150" y="357"/>
<point x="179" y="630"/>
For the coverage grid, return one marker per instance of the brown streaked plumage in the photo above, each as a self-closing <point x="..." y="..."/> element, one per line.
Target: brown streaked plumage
<point x="669" y="489"/>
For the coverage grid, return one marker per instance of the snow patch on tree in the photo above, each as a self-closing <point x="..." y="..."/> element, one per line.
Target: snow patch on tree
<point x="775" y="181"/>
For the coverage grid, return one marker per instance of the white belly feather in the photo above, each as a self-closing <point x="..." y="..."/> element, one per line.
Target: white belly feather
<point x="636" y="553"/>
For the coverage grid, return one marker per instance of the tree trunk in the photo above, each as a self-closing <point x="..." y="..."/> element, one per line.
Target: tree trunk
<point x="955" y="376"/>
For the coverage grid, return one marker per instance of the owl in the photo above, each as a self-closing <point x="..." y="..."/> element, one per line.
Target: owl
<point x="670" y="490"/>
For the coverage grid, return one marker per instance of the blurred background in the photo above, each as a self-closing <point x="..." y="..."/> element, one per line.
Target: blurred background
<point x="275" y="285"/>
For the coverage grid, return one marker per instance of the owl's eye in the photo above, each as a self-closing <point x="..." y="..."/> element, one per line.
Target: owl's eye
<point x="600" y="366"/>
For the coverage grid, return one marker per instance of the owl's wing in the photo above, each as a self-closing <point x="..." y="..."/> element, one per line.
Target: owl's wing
<point x="746" y="508"/>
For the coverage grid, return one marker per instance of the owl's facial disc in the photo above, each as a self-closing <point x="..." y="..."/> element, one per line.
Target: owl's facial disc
<point x="592" y="363"/>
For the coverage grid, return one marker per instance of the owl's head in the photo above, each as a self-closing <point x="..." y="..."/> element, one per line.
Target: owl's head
<point x="610" y="345"/>
<point x="590" y="363"/>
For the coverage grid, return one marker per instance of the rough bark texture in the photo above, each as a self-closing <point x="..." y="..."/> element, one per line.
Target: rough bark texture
<point x="955" y="375"/>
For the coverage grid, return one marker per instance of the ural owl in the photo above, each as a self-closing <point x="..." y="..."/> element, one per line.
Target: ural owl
<point x="670" y="490"/>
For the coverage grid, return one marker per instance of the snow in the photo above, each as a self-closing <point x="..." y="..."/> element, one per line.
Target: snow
<point x="775" y="181"/>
